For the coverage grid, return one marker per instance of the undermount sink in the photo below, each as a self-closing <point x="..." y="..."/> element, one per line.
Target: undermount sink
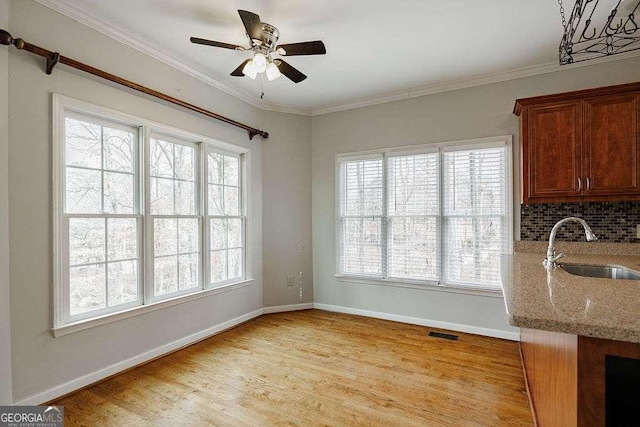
<point x="601" y="271"/>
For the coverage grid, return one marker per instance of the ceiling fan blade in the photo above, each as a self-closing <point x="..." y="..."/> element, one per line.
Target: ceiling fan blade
<point x="238" y="71"/>
<point x="252" y="24"/>
<point x="291" y="73"/>
<point x="197" y="40"/>
<point x="304" y="48"/>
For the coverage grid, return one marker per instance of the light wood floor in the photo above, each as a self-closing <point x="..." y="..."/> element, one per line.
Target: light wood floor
<point x="316" y="368"/>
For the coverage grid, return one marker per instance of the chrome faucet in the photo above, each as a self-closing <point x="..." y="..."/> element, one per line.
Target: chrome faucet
<point x="550" y="261"/>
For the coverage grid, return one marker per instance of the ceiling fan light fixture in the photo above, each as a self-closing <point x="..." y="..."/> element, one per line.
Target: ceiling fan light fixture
<point x="250" y="70"/>
<point x="259" y="62"/>
<point x="263" y="44"/>
<point x="273" y="72"/>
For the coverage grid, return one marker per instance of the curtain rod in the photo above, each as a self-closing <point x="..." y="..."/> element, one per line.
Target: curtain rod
<point x="54" y="57"/>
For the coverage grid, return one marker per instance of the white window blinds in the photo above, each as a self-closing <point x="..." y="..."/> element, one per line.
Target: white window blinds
<point x="440" y="215"/>
<point x="413" y="211"/>
<point x="474" y="216"/>
<point x="361" y="216"/>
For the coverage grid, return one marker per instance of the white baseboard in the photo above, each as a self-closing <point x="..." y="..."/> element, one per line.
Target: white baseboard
<point x="78" y="383"/>
<point x="290" y="307"/>
<point x="495" y="333"/>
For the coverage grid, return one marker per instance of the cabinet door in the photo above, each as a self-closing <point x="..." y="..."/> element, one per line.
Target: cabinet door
<point x="552" y="149"/>
<point x="611" y="146"/>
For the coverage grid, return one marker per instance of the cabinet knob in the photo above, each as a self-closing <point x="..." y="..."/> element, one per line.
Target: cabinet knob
<point x="579" y="185"/>
<point x="588" y="183"/>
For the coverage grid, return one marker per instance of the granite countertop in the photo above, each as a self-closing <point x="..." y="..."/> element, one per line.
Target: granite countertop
<point x="561" y="302"/>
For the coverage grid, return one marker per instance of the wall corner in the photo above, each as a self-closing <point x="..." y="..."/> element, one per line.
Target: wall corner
<point x="6" y="397"/>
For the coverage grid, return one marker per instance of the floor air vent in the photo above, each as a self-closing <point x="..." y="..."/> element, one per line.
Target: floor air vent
<point x="445" y="336"/>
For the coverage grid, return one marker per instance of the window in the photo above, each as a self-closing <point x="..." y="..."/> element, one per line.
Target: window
<point x="476" y="224"/>
<point x="225" y="220"/>
<point x="362" y="215"/>
<point x="413" y="216"/>
<point x="174" y="215"/>
<point x="143" y="212"/>
<point x="102" y="216"/>
<point x="435" y="215"/>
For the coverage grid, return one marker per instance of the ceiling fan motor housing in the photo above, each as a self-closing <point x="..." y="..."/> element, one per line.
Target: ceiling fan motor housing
<point x="270" y="35"/>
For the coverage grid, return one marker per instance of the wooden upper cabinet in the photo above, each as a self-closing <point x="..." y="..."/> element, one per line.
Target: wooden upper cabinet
<point x="611" y="145"/>
<point x="581" y="146"/>
<point x="553" y="150"/>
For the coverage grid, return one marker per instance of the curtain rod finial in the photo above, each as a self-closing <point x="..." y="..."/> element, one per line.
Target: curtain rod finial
<point x="254" y="132"/>
<point x="5" y="38"/>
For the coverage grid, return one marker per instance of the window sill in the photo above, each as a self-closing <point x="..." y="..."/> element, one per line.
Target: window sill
<point x="70" y="328"/>
<point x="413" y="284"/>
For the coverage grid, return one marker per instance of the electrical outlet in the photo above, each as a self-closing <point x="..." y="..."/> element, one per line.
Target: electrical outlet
<point x="290" y="280"/>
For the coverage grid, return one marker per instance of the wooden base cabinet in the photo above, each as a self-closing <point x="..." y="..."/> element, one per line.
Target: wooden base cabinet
<point x="550" y="362"/>
<point x="580" y="381"/>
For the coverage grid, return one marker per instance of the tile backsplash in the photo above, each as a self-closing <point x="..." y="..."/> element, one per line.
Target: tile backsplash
<point x="613" y="222"/>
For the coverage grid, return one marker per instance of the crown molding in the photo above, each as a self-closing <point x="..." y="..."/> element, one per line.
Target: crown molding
<point x="284" y="109"/>
<point x="76" y="13"/>
<point x="535" y="70"/>
<point x="66" y="8"/>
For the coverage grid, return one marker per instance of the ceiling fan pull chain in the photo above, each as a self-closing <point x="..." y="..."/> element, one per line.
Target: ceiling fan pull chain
<point x="261" y="86"/>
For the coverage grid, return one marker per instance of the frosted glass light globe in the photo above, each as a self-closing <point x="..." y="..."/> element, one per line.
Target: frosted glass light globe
<point x="260" y="62"/>
<point x="249" y="70"/>
<point x="273" y="72"/>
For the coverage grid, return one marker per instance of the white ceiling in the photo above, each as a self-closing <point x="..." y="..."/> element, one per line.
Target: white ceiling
<point x="376" y="50"/>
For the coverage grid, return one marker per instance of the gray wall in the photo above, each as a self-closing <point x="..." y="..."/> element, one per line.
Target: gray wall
<point x="469" y="113"/>
<point x="5" y="329"/>
<point x="286" y="174"/>
<point x="40" y="361"/>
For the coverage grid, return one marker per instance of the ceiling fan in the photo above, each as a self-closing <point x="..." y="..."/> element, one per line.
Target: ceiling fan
<point x="263" y="38"/>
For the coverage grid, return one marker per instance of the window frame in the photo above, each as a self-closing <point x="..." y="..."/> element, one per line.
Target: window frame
<point x="63" y="323"/>
<point x="66" y="217"/>
<point x="430" y="149"/>
<point x="149" y="223"/>
<point x="340" y="218"/>
<point x="242" y="215"/>
<point x="441" y="148"/>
